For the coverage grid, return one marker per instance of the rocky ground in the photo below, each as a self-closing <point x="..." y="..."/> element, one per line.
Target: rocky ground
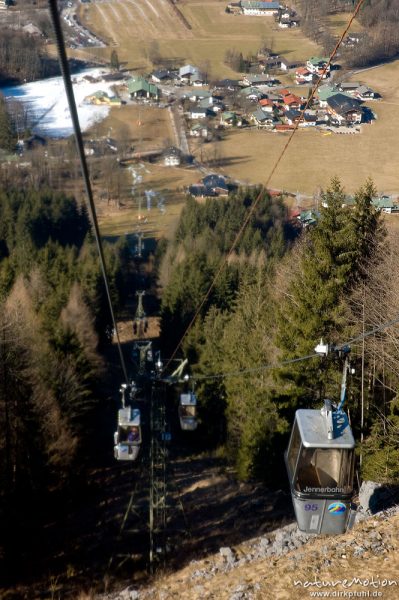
<point x="286" y="563"/>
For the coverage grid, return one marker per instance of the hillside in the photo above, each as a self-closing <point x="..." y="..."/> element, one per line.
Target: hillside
<point x="287" y="564"/>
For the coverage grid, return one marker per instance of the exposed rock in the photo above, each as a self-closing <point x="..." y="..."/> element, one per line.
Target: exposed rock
<point x="228" y="555"/>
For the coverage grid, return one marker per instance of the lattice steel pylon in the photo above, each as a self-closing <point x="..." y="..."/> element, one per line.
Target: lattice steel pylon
<point x="158" y="487"/>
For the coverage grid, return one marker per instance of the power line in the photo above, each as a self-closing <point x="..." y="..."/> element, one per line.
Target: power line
<point x="63" y="60"/>
<point x="256" y="369"/>
<point x="361" y="337"/>
<point x="284" y="363"/>
<point x="259" y="196"/>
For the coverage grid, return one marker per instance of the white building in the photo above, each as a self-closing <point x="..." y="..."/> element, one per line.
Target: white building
<point x="259" y="9"/>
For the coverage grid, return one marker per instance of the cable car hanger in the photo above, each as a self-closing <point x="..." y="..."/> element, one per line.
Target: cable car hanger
<point x="320" y="462"/>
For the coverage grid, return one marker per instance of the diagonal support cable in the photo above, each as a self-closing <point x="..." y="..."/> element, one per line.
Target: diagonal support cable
<point x="63" y="60"/>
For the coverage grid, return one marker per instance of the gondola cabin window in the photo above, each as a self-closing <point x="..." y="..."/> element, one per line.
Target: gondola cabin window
<point x="324" y="470"/>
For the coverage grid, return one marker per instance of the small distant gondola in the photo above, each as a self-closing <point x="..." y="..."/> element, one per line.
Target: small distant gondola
<point x="127" y="439"/>
<point x="320" y="464"/>
<point x="188" y="412"/>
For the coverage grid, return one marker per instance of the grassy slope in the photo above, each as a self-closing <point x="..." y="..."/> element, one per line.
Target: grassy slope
<point x="322" y="559"/>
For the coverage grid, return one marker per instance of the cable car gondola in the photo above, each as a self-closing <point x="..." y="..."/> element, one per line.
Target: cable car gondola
<point x="188" y="412"/>
<point x="127" y="438"/>
<point x="320" y="464"/>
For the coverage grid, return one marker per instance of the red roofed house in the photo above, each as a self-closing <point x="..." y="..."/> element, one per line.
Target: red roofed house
<point x="302" y="75"/>
<point x="267" y="104"/>
<point x="291" y="102"/>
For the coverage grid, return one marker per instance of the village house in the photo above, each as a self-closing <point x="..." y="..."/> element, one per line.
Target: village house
<point x="199" y="130"/>
<point x="293" y="116"/>
<point x="348" y="86"/>
<point x="252" y="93"/>
<point x="257" y="79"/>
<point x="138" y="87"/>
<point x="291" y="101"/>
<point x="210" y="186"/>
<point x="214" y="105"/>
<point x="172" y="157"/>
<point x="344" y="108"/>
<point x="318" y="66"/>
<point x="262" y="9"/>
<point x="325" y="92"/>
<point x="302" y="75"/>
<point x="385" y="204"/>
<point x="287" y="18"/>
<point x="163" y="76"/>
<point x="267" y="105"/>
<point x="191" y="75"/>
<point x="227" y="85"/>
<point x="200" y="113"/>
<point x="230" y="118"/>
<point x="217" y="183"/>
<point x="263" y="120"/>
<point x="197" y="95"/>
<point x="271" y="62"/>
<point x="364" y="93"/>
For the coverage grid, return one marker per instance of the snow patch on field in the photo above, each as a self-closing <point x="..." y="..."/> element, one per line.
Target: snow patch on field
<point x="47" y="105"/>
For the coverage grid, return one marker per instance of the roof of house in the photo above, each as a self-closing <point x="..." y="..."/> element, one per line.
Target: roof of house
<point x="192" y="72"/>
<point x="316" y="60"/>
<point x="292" y="99"/>
<point x="251" y="91"/>
<point x="205" y="103"/>
<point x="200" y="94"/>
<point x="383" y="202"/>
<point x="200" y="110"/>
<point x="349" y="85"/>
<point x="172" y="151"/>
<point x="363" y="89"/>
<point x="228" y="114"/>
<point x="198" y="127"/>
<point x="260" y="5"/>
<point x="260" y="116"/>
<point x="293" y="114"/>
<point x="257" y="78"/>
<point x="266" y="102"/>
<point x="163" y="74"/>
<point x="214" y="181"/>
<point x="302" y="71"/>
<point x="325" y="91"/>
<point x="198" y="189"/>
<point x="226" y="83"/>
<point x="342" y="104"/>
<point x="138" y="84"/>
<point x="187" y="70"/>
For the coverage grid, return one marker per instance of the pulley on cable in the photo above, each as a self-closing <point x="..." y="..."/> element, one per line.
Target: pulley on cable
<point x="320" y="464"/>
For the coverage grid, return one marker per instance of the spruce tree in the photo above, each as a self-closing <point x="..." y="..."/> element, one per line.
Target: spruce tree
<point x="7" y="133"/>
<point x="326" y="267"/>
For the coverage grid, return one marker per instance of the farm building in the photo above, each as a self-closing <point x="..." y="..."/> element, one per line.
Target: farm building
<point x="140" y="88"/>
<point x="261" y="9"/>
